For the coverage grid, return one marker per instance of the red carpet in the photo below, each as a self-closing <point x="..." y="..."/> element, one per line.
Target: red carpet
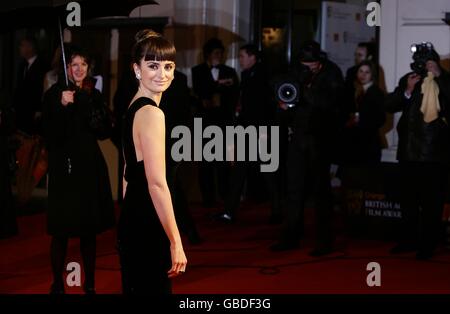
<point x="233" y="259"/>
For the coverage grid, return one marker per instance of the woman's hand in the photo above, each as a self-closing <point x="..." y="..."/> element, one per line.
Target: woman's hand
<point x="413" y="79"/>
<point x="67" y="97"/>
<point x="179" y="260"/>
<point x="352" y="121"/>
<point x="433" y="67"/>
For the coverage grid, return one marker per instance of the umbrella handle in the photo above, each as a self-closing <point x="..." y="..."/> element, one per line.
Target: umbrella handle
<point x="61" y="38"/>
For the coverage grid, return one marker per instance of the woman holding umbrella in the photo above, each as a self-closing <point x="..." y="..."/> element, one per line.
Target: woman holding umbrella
<point x="79" y="194"/>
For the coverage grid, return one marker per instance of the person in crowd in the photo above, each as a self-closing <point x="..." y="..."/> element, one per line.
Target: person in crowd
<point x="365" y="116"/>
<point x="423" y="98"/>
<point x="27" y="100"/>
<point x="8" y="222"/>
<point x="217" y="88"/>
<point x="175" y="104"/>
<point x="315" y="125"/>
<point x="365" y="51"/>
<point x="149" y="243"/>
<point x="256" y="108"/>
<point x="96" y="72"/>
<point x="80" y="201"/>
<point x="360" y="143"/>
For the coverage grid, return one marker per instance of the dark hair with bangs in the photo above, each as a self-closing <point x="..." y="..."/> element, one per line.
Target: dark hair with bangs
<point x="152" y="46"/>
<point x="72" y="51"/>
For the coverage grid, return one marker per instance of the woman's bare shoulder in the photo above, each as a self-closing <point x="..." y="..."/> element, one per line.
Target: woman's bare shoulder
<point x="149" y="115"/>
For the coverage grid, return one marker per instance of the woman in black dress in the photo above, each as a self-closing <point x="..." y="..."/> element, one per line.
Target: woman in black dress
<point x="149" y="242"/>
<point x="79" y="194"/>
<point x="361" y="138"/>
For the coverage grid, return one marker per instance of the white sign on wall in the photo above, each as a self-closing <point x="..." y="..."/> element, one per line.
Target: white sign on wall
<point x="343" y="27"/>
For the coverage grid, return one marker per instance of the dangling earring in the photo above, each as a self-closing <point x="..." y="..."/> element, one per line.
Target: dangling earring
<point x="138" y="75"/>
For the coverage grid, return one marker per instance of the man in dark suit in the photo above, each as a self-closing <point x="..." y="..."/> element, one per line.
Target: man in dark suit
<point x="175" y="103"/>
<point x="365" y="51"/>
<point x="30" y="82"/>
<point x="217" y="89"/>
<point x="8" y="223"/>
<point x="256" y="108"/>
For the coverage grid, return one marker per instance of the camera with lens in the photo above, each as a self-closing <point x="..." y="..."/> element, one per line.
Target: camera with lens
<point x="287" y="91"/>
<point x="288" y="87"/>
<point x="422" y="53"/>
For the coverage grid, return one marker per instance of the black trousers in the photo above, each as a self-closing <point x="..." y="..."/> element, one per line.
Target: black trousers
<point x="213" y="178"/>
<point x="240" y="173"/>
<point x="308" y="176"/>
<point x="423" y="191"/>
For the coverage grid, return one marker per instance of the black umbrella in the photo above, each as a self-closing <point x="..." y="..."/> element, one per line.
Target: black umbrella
<point x="17" y="14"/>
<point x="21" y="14"/>
<point x="193" y="36"/>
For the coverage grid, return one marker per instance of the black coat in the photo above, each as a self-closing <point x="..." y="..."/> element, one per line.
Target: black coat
<point x="257" y="106"/>
<point x="205" y="88"/>
<point x="79" y="195"/>
<point x="420" y="141"/>
<point x="28" y="94"/>
<point x="175" y="103"/>
<point x="318" y="116"/>
<point x="361" y="143"/>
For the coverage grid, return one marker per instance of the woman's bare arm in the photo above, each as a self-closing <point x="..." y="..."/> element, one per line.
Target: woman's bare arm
<point x="151" y="133"/>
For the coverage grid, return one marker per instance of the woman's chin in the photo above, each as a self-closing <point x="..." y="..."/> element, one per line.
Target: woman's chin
<point x="160" y="89"/>
<point x="79" y="78"/>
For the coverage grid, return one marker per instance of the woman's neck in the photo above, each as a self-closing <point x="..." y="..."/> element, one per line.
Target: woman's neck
<point x="77" y="84"/>
<point x="143" y="92"/>
<point x="367" y="86"/>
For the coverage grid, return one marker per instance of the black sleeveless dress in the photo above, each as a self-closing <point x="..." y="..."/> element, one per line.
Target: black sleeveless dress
<point x="144" y="248"/>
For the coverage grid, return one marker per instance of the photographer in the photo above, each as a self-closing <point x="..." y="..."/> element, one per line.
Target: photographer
<point x="315" y="124"/>
<point x="423" y="97"/>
